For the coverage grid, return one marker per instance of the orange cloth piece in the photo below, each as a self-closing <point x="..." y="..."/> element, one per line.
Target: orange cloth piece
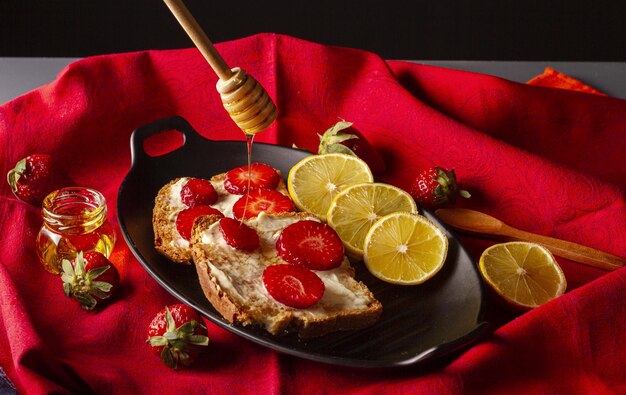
<point x="554" y="79"/>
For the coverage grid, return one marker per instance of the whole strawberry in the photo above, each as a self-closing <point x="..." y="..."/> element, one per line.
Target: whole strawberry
<point x="345" y="139"/>
<point x="35" y="176"/>
<point x="90" y="278"/>
<point x="436" y="186"/>
<point x="176" y="334"/>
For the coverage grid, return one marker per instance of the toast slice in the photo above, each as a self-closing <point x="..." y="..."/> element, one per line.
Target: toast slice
<point x="232" y="281"/>
<point x="167" y="205"/>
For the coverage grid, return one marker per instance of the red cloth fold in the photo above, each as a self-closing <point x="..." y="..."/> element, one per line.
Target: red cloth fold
<point x="547" y="161"/>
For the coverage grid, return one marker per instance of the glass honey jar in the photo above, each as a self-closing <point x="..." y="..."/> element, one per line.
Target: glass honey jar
<point x="74" y="220"/>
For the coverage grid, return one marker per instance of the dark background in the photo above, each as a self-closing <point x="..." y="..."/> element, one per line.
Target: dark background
<point x="566" y="30"/>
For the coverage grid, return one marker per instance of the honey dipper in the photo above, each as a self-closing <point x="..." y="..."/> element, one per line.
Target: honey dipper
<point x="245" y="100"/>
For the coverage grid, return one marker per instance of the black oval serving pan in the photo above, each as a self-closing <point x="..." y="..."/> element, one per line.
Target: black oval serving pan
<point x="418" y="324"/>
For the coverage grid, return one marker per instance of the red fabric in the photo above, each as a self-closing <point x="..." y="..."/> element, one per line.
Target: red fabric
<point x="548" y="161"/>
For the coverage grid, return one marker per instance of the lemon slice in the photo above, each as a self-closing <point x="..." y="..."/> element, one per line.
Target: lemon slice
<point x="353" y="211"/>
<point x="316" y="180"/>
<point x="404" y="248"/>
<point x="525" y="274"/>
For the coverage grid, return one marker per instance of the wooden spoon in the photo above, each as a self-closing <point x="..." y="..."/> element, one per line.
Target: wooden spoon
<point x="479" y="223"/>
<point x="245" y="100"/>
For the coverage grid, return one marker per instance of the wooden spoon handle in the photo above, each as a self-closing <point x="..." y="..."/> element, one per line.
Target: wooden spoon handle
<point x="477" y="223"/>
<point x="569" y="250"/>
<point x="199" y="38"/>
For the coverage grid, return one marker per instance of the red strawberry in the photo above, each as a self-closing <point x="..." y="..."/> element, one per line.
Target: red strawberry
<point x="35" y="176"/>
<point x="186" y="218"/>
<point x="239" y="235"/>
<point x="89" y="278"/>
<point x="198" y="192"/>
<point x="436" y="186"/>
<point x="311" y="244"/>
<point x="342" y="137"/>
<point x="294" y="286"/>
<point x="176" y="334"/>
<point x="268" y="200"/>
<point x="261" y="176"/>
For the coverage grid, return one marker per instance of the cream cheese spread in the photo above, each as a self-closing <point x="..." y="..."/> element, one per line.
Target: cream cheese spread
<point x="240" y="273"/>
<point x="224" y="203"/>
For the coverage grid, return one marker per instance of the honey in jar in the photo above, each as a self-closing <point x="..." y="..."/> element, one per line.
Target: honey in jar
<point x="74" y="220"/>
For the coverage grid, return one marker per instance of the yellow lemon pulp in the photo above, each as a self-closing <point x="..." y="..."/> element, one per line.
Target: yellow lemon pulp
<point x="353" y="211"/>
<point x="404" y="248"/>
<point x="316" y="180"/>
<point x="525" y="274"/>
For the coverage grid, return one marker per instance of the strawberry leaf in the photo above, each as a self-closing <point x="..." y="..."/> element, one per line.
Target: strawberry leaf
<point x="337" y="148"/>
<point x="14" y="175"/>
<point x="339" y="138"/>
<point x="198" y="340"/>
<point x="330" y="141"/>
<point x="339" y="126"/>
<point x="170" y="335"/>
<point x="95" y="273"/>
<point x="168" y="358"/>
<point x="102" y="286"/>
<point x="86" y="301"/>
<point x="184" y="358"/>
<point x="157" y="341"/>
<point x="98" y="293"/>
<point x="188" y="327"/>
<point x="68" y="270"/>
<point x="171" y="325"/>
<point x="79" y="264"/>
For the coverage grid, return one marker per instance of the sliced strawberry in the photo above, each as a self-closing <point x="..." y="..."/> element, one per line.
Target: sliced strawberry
<point x="239" y="235"/>
<point x="185" y="219"/>
<point x="198" y="192"/>
<point x="261" y="176"/>
<point x="258" y="200"/>
<point x="294" y="286"/>
<point x="311" y="244"/>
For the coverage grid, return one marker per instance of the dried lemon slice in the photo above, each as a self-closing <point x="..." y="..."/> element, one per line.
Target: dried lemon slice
<point x="404" y="248"/>
<point x="353" y="211"/>
<point x="317" y="179"/>
<point x="525" y="274"/>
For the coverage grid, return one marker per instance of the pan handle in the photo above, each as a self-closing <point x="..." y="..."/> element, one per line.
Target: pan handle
<point x="172" y="123"/>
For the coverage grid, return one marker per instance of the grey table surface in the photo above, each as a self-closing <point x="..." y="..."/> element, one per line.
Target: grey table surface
<point x="20" y="75"/>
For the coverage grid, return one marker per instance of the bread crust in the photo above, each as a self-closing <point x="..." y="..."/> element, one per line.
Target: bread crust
<point x="165" y="228"/>
<point x="285" y="320"/>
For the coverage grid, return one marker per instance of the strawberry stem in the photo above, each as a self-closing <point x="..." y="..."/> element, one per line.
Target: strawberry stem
<point x="80" y="285"/>
<point x="14" y="174"/>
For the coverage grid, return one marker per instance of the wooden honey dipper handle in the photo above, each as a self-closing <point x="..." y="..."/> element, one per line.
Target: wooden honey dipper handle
<point x="245" y="100"/>
<point x="199" y="38"/>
